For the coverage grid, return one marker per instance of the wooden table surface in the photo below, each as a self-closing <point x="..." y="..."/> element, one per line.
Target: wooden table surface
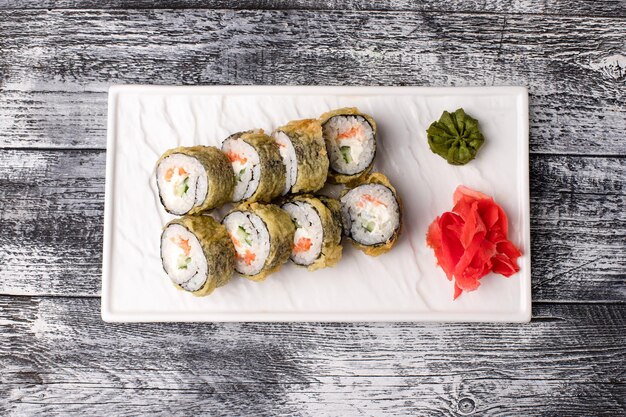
<point x="57" y="357"/>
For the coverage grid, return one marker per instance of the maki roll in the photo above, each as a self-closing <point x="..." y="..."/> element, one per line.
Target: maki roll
<point x="197" y="254"/>
<point x="303" y="151"/>
<point x="372" y="215"/>
<point x="257" y="165"/>
<point x="350" y="138"/>
<point x="317" y="241"/>
<point x="194" y="179"/>
<point x="262" y="235"/>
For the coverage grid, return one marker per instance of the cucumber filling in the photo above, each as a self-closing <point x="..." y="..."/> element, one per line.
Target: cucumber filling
<point x="182" y="187"/>
<point x="183" y="261"/>
<point x="346" y="154"/>
<point x="243" y="235"/>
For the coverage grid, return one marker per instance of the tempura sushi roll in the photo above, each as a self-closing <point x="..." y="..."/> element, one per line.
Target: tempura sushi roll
<point x="257" y="165"/>
<point x="303" y="151"/>
<point x="262" y="235"/>
<point x="372" y="215"/>
<point x="194" y="179"/>
<point x="197" y="254"/>
<point x="317" y="241"/>
<point x="350" y="138"/>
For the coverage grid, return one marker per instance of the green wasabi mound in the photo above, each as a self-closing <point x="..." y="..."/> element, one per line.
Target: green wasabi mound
<point x="455" y="137"/>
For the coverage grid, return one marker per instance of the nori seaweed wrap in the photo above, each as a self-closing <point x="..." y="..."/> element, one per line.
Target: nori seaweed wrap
<point x="317" y="241"/>
<point x="303" y="150"/>
<point x="262" y="235"/>
<point x="197" y="254"/>
<point x="372" y="214"/>
<point x="350" y="138"/>
<point x="257" y="165"/>
<point x="194" y="179"/>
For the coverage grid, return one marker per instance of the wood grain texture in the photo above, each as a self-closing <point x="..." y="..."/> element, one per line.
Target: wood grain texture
<point x="60" y="358"/>
<point x="54" y="74"/>
<point x="559" y="7"/>
<point x="51" y="210"/>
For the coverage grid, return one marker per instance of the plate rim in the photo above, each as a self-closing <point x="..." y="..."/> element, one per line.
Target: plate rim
<point x="524" y="315"/>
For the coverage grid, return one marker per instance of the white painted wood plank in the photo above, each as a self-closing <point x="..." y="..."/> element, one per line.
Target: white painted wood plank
<point x="56" y="66"/>
<point x="59" y="358"/>
<point x="51" y="208"/>
<point x="558" y="7"/>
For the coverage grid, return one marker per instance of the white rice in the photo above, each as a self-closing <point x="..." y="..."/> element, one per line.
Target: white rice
<point x="364" y="219"/>
<point x="308" y="231"/>
<point x="182" y="183"/>
<point x="288" y="154"/>
<point x="194" y="284"/>
<point x="353" y="152"/>
<point x="245" y="162"/>
<point x="186" y="269"/>
<point x="250" y="237"/>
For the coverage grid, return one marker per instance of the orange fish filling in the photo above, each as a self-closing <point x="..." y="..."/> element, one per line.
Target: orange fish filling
<point x="236" y="241"/>
<point x="248" y="257"/>
<point x="170" y="172"/>
<point x="356" y="130"/>
<point x="302" y="245"/>
<point x="183" y="244"/>
<point x="370" y="199"/>
<point x="233" y="156"/>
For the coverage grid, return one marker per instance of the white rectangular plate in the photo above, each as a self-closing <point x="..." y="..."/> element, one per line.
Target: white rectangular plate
<point x="402" y="285"/>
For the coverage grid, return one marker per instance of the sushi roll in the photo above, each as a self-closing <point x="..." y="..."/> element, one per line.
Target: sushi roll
<point x="257" y="165"/>
<point x="197" y="254"/>
<point x="317" y="241"/>
<point x="303" y="151"/>
<point x="350" y="138"/>
<point x="262" y="235"/>
<point x="372" y="215"/>
<point x="194" y="179"/>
